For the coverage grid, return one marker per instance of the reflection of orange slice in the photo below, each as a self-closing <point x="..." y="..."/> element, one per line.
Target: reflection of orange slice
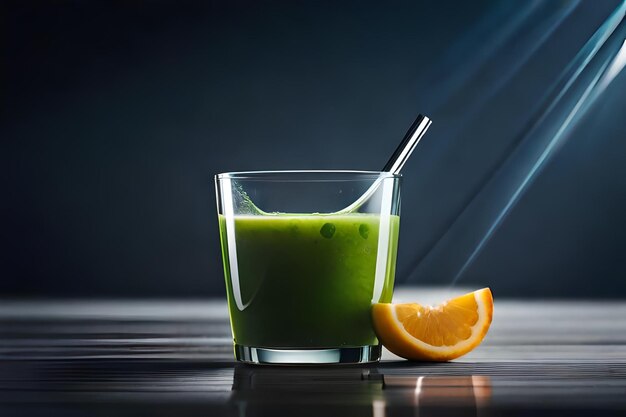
<point x="438" y="333"/>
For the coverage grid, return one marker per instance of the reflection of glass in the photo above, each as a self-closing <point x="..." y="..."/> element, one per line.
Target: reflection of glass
<point x="301" y="277"/>
<point x="354" y="391"/>
<point x="303" y="391"/>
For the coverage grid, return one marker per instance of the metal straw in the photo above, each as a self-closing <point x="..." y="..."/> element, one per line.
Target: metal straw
<point x="408" y="144"/>
<point x="397" y="160"/>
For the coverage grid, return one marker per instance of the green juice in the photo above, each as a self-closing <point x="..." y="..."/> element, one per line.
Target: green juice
<point x="307" y="281"/>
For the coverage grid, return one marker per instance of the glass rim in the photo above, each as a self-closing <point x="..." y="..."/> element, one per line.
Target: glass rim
<point x="342" y="175"/>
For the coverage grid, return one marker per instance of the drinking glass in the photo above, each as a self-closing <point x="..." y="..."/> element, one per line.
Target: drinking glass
<point x="301" y="273"/>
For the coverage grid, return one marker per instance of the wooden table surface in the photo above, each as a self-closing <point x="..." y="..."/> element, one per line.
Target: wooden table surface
<point x="73" y="357"/>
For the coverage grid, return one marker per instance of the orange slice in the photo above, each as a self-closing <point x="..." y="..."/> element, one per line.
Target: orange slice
<point x="438" y="333"/>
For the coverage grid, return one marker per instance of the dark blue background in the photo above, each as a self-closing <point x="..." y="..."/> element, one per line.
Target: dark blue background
<point x="116" y="115"/>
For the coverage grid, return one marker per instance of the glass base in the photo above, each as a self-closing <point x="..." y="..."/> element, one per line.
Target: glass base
<point x="346" y="355"/>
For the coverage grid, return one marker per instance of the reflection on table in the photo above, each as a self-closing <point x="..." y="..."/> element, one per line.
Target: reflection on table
<point x="366" y="391"/>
